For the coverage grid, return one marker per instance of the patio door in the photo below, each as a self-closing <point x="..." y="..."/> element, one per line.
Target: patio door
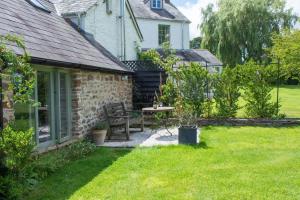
<point x="63" y="99"/>
<point x="44" y="115"/>
<point x="53" y="115"/>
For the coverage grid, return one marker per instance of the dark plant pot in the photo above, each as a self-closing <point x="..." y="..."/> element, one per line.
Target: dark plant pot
<point x="188" y="135"/>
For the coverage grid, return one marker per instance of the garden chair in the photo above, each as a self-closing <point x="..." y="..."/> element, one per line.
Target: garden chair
<point x="119" y="118"/>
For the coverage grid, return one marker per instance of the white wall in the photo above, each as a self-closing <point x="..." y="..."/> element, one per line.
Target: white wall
<point x="107" y="30"/>
<point x="149" y="30"/>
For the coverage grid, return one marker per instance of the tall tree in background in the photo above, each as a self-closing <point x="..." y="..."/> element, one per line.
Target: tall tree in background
<point x="241" y="30"/>
<point x="196" y="43"/>
<point x="286" y="47"/>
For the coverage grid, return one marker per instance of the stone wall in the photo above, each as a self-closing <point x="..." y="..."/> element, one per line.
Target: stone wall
<point x="8" y="111"/>
<point x="90" y="92"/>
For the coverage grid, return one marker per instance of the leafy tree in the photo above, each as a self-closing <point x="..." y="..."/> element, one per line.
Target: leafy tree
<point x="286" y="47"/>
<point x="256" y="81"/>
<point x="241" y="30"/>
<point x="227" y="92"/>
<point x="196" y="43"/>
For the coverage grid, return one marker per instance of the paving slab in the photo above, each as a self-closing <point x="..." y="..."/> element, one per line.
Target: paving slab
<point x="148" y="138"/>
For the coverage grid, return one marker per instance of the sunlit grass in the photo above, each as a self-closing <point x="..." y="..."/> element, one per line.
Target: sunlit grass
<point x="231" y="163"/>
<point x="289" y="98"/>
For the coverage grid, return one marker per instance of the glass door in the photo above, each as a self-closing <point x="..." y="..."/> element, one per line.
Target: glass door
<point x="53" y="115"/>
<point x="44" y="112"/>
<point x="63" y="106"/>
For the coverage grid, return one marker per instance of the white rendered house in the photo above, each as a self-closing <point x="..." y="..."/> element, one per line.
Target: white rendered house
<point x="111" y="22"/>
<point x="160" y="21"/>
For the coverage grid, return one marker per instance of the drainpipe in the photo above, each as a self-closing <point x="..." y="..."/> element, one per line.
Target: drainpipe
<point x="182" y="35"/>
<point x="122" y="28"/>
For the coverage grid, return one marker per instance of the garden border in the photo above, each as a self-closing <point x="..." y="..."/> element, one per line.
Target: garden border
<point x="250" y="122"/>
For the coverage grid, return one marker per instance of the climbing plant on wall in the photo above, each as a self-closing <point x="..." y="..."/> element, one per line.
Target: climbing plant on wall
<point x="17" y="67"/>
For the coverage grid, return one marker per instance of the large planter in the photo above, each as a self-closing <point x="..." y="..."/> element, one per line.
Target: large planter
<point x="99" y="136"/>
<point x="188" y="135"/>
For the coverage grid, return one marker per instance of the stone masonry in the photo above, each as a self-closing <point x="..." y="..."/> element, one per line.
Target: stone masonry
<point x="91" y="90"/>
<point x="8" y="111"/>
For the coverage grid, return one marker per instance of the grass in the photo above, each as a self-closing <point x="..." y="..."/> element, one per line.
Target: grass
<point x="230" y="163"/>
<point x="289" y="98"/>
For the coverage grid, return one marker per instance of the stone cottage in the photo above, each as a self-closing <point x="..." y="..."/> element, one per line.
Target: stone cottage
<point x="75" y="75"/>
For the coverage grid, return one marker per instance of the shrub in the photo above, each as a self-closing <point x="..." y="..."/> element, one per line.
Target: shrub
<point x="101" y="126"/>
<point x="16" y="148"/>
<point x="257" y="90"/>
<point x="226" y="92"/>
<point x="42" y="166"/>
<point x="192" y="80"/>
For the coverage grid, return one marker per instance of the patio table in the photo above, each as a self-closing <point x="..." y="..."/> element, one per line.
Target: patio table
<point x="157" y="110"/>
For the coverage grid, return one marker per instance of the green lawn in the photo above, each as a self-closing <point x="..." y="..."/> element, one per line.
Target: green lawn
<point x="230" y="163"/>
<point x="289" y="97"/>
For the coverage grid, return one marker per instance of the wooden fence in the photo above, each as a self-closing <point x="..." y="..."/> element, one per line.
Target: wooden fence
<point x="147" y="80"/>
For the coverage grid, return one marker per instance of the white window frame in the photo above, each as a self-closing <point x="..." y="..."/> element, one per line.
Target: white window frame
<point x="156" y="4"/>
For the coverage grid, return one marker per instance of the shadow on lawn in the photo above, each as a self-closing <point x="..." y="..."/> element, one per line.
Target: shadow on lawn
<point x="67" y="180"/>
<point x="201" y="145"/>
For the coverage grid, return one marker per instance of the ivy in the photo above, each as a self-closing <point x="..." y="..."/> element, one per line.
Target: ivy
<point x="17" y="67"/>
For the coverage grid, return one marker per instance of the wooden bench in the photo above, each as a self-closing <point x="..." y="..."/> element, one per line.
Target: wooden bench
<point x="119" y="118"/>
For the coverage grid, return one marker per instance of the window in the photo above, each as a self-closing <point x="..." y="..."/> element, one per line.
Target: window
<point x="108" y="6"/>
<point x="157" y="4"/>
<point x="163" y="34"/>
<point x="39" y="5"/>
<point x="52" y="117"/>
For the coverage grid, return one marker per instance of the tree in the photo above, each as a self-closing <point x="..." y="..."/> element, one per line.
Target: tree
<point x="241" y="30"/>
<point x="227" y="92"/>
<point x="196" y="43"/>
<point x="256" y="83"/>
<point x="286" y="47"/>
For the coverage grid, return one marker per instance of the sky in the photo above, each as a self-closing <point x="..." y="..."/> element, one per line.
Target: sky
<point x="192" y="10"/>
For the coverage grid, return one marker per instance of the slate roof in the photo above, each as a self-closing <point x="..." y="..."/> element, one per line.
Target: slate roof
<point x="51" y="40"/>
<point x="74" y="6"/>
<point x="142" y="9"/>
<point x="196" y="55"/>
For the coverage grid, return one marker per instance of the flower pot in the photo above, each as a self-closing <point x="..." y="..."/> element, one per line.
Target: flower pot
<point x="188" y="135"/>
<point x="99" y="136"/>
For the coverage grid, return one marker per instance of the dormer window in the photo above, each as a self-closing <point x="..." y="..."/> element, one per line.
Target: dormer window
<point x="156" y="4"/>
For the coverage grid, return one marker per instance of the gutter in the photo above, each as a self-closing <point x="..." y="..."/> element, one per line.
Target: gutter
<point x="42" y="61"/>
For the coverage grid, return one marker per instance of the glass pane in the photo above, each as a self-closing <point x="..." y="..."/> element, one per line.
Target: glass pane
<point x="44" y="110"/>
<point x="63" y="106"/>
<point x="24" y="116"/>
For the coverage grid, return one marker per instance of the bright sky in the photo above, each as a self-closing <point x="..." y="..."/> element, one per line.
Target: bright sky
<point x="192" y="10"/>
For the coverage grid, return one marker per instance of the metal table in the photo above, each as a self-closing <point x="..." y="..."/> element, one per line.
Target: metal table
<point x="157" y="110"/>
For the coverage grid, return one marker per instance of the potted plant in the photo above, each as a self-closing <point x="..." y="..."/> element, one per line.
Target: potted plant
<point x="99" y="133"/>
<point x="190" y="82"/>
<point x="188" y="129"/>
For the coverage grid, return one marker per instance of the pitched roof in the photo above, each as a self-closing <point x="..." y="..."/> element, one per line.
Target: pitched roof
<point x="142" y="9"/>
<point x="71" y="7"/>
<point x="50" y="39"/>
<point x="196" y="55"/>
<point x="74" y="6"/>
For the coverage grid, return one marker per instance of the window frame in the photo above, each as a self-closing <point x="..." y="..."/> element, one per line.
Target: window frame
<point x="165" y="38"/>
<point x="54" y="111"/>
<point x="154" y="4"/>
<point x="108" y="4"/>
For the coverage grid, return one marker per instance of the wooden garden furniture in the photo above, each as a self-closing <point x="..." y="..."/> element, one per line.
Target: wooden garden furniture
<point x="119" y="118"/>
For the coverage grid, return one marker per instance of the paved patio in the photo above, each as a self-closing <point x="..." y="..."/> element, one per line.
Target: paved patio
<point x="148" y="138"/>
